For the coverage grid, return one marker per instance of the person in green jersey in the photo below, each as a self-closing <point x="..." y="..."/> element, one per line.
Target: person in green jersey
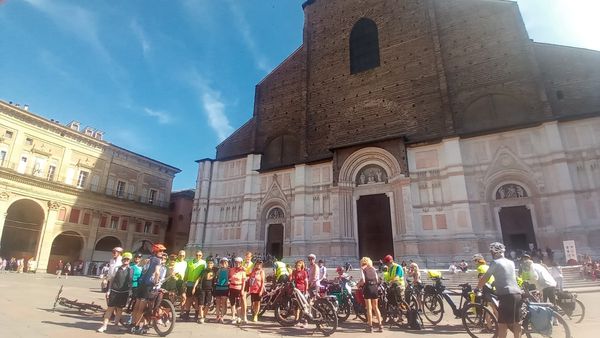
<point x="194" y="268"/>
<point x="281" y="272"/>
<point x="394" y="276"/>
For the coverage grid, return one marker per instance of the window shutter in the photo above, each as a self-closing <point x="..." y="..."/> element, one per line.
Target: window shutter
<point x="131" y="191"/>
<point x="95" y="183"/>
<point x="70" y="174"/>
<point x="110" y="186"/>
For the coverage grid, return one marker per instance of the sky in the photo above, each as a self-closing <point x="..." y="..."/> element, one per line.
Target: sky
<point x="172" y="79"/>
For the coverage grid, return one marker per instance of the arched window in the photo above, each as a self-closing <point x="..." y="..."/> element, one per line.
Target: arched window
<point x="364" y="46"/>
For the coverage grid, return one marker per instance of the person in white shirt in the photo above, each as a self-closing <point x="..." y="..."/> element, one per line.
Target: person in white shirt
<point x="114" y="263"/>
<point x="542" y="279"/>
<point x="556" y="272"/>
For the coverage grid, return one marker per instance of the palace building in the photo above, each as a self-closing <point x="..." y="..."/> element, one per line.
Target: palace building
<point x="425" y="129"/>
<point x="66" y="194"/>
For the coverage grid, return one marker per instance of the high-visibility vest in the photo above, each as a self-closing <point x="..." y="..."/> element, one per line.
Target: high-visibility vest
<point x="391" y="275"/>
<point x="280" y="270"/>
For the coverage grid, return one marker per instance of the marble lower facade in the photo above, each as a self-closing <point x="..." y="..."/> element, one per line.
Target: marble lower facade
<point x="536" y="186"/>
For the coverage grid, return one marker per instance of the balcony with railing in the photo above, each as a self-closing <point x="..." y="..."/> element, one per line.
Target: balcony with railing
<point x="30" y="174"/>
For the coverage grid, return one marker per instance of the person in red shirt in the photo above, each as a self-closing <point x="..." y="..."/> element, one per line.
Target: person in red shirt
<point x="237" y="280"/>
<point x="300" y="276"/>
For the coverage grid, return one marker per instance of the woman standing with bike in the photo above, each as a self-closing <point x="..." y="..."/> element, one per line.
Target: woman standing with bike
<point x="368" y="282"/>
<point x="300" y="279"/>
<point x="256" y="288"/>
<point x="237" y="281"/>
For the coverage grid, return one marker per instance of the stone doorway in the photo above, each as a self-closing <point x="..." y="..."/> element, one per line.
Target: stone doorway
<point x="275" y="240"/>
<point x="517" y="228"/>
<point x="375" y="239"/>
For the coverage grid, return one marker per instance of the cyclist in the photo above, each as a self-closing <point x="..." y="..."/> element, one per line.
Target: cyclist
<point x="300" y="279"/>
<point x="509" y="293"/>
<point x="394" y="276"/>
<point x="149" y="279"/>
<point x="313" y="276"/>
<point x="282" y="274"/>
<point x="256" y="287"/>
<point x="120" y="286"/>
<point x="368" y="282"/>
<point x="248" y="266"/>
<point x="202" y="289"/>
<point x="542" y="279"/>
<point x="136" y="274"/>
<point x="237" y="281"/>
<point x="221" y="289"/>
<point x="481" y="267"/>
<point x="194" y="269"/>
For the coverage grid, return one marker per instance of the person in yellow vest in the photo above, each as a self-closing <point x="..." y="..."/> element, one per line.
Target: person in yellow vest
<point x="193" y="270"/>
<point x="481" y="267"/>
<point x="394" y="276"/>
<point x="281" y="272"/>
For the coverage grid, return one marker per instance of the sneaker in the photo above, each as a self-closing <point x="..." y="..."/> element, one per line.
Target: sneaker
<point x="201" y="321"/>
<point x="369" y="329"/>
<point x="255" y="319"/>
<point x="102" y="329"/>
<point x="379" y="328"/>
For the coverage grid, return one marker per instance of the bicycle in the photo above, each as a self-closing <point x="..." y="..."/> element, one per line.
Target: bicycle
<point x="290" y="310"/>
<point x="476" y="318"/>
<point x="345" y="298"/>
<point x="556" y="326"/>
<point x="570" y="305"/>
<point x="159" y="313"/>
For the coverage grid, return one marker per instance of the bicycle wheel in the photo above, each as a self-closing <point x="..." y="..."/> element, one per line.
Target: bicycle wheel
<point x="560" y="328"/>
<point x="286" y="312"/>
<point x="479" y="321"/>
<point x="163" y="320"/>
<point x="578" y="312"/>
<point x="264" y="304"/>
<point x="344" y="312"/>
<point x="326" y="317"/>
<point x="433" y="308"/>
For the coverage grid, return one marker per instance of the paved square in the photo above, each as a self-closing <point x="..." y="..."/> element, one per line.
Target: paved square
<point x="26" y="311"/>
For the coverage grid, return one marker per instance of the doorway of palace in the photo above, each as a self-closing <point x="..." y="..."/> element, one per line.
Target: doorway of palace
<point x="103" y="249"/>
<point x="517" y="228"/>
<point x="66" y="247"/>
<point x="375" y="238"/>
<point x="275" y="240"/>
<point x="22" y="228"/>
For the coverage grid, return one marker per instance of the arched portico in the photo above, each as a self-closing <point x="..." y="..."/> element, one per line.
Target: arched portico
<point x="22" y="229"/>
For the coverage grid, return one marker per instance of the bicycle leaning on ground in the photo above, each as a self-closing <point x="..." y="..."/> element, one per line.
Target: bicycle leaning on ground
<point x="542" y="319"/>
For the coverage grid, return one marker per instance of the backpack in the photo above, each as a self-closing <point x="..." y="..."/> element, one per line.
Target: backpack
<point x="415" y="322"/>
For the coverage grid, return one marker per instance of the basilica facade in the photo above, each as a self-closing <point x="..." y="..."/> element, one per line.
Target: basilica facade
<point x="425" y="129"/>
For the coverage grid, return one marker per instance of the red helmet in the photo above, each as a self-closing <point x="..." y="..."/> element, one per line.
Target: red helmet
<point x="388" y="259"/>
<point x="339" y="269"/>
<point x="158" y="247"/>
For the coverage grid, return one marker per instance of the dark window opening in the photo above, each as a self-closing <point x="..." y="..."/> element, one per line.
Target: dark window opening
<point x="364" y="46"/>
<point x="560" y="95"/>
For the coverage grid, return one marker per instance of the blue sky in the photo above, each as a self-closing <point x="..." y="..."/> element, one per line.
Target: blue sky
<point x="171" y="79"/>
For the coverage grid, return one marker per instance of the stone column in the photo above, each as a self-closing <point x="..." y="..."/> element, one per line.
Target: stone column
<point x="4" y="204"/>
<point x="45" y="244"/>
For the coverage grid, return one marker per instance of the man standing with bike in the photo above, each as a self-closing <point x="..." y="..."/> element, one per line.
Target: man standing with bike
<point x="509" y="293"/>
<point x="394" y="276"/>
<point x="149" y="279"/>
<point x="193" y="271"/>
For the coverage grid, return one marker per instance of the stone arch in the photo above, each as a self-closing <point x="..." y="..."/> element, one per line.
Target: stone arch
<point x="365" y="157"/>
<point x="22" y="228"/>
<point x="107" y="243"/>
<point x="267" y="207"/>
<point x="509" y="176"/>
<point x="66" y="246"/>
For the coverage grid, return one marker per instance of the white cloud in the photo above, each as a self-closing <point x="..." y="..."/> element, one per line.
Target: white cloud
<point x="213" y="106"/>
<point x="161" y="116"/>
<point x="74" y="20"/>
<point x="140" y="34"/>
<point x="260" y="60"/>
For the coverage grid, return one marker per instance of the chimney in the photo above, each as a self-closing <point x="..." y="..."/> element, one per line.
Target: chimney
<point x="89" y="131"/>
<point x="99" y="135"/>
<point x="74" y="125"/>
<point x="26" y="107"/>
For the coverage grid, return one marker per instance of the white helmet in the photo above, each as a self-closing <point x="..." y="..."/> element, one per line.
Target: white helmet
<point x="312" y="256"/>
<point x="238" y="259"/>
<point x="497" y="248"/>
<point x="478" y="257"/>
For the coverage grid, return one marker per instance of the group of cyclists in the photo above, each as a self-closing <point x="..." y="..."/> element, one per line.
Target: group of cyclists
<point x="238" y="285"/>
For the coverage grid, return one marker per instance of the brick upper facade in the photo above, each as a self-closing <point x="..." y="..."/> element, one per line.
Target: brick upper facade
<point x="448" y="67"/>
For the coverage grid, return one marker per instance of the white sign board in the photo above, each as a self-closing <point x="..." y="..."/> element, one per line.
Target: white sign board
<point x="570" y="251"/>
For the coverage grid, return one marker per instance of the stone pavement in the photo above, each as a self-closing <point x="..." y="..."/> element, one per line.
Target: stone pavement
<point x="26" y="311"/>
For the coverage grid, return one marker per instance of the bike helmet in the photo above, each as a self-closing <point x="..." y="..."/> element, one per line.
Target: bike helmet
<point x="339" y="269"/>
<point x="224" y="259"/>
<point x="497" y="248"/>
<point x="238" y="259"/>
<point x="478" y="257"/>
<point x="158" y="248"/>
<point x="388" y="259"/>
<point x="117" y="249"/>
<point x="126" y="255"/>
<point x="312" y="256"/>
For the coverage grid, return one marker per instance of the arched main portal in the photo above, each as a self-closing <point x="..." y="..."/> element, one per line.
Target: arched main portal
<point x="66" y="247"/>
<point x="515" y="217"/>
<point x="22" y="228"/>
<point x="103" y="248"/>
<point x="275" y="235"/>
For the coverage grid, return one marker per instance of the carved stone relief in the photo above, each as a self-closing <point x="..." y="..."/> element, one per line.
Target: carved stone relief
<point x="510" y="191"/>
<point x="371" y="174"/>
